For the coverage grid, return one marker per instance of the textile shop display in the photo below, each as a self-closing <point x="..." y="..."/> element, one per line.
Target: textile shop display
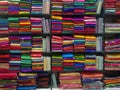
<point x="24" y="7"/>
<point x="71" y="7"/>
<point x="76" y="25"/>
<point x="70" y="61"/>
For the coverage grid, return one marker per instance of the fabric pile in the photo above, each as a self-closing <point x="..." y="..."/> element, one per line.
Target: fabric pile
<point x="92" y="80"/>
<point x="112" y="45"/>
<point x="57" y="61"/>
<point x="79" y="25"/>
<point x="25" y="25"/>
<point x="67" y="25"/>
<point x="57" y="43"/>
<point x="36" y="7"/>
<point x="79" y="43"/>
<point x="112" y="80"/>
<point x="27" y="81"/>
<point x="24" y="7"/>
<point x="36" y="25"/>
<point x="36" y="55"/>
<point x="8" y="81"/>
<point x="68" y="62"/>
<point x="90" y="62"/>
<point x="70" y="80"/>
<point x="79" y="63"/>
<point x="112" y="6"/>
<point x="90" y="43"/>
<point x="4" y="7"/>
<point x="13" y="8"/>
<point x="43" y="80"/>
<point x="112" y="61"/>
<point x="112" y="27"/>
<point x="90" y="25"/>
<point x="68" y="43"/>
<point x="4" y="26"/>
<point x="56" y="24"/>
<point x="4" y="53"/>
<point x="14" y="25"/>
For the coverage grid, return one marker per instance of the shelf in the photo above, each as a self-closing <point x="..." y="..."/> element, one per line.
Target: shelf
<point x="113" y="52"/>
<point x="111" y="33"/>
<point x="79" y="71"/>
<point x="28" y="15"/>
<point x="78" y="52"/>
<point x="96" y="34"/>
<point x="32" y="34"/>
<point x="97" y="15"/>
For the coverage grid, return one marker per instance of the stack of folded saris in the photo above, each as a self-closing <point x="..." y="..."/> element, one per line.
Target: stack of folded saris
<point x="70" y="80"/>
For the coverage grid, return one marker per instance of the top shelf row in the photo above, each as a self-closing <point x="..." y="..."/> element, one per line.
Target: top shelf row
<point x="58" y="7"/>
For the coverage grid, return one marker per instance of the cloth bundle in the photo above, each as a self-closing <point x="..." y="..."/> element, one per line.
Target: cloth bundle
<point x="112" y="6"/>
<point x="67" y="25"/>
<point x="112" y="27"/>
<point x="68" y="43"/>
<point x="27" y="81"/>
<point x="112" y="80"/>
<point x="24" y="7"/>
<point x="14" y="25"/>
<point x="25" y="25"/>
<point x="90" y="44"/>
<point x="43" y="80"/>
<point x="57" y="44"/>
<point x="90" y="25"/>
<point x="70" y="80"/>
<point x="90" y="62"/>
<point x="112" y="45"/>
<point x="3" y="7"/>
<point x="4" y="53"/>
<point x="4" y="26"/>
<point x="112" y="61"/>
<point x="57" y="62"/>
<point x="26" y="63"/>
<point x="8" y="81"/>
<point x="26" y="43"/>
<point x="68" y="7"/>
<point x="13" y="8"/>
<point x="37" y="57"/>
<point x="68" y="61"/>
<point x="71" y="7"/>
<point x="15" y="50"/>
<point x="79" y="25"/>
<point x="79" y="63"/>
<point x="76" y="25"/>
<point x="37" y="7"/>
<point x="92" y="80"/>
<point x="79" y="43"/>
<point x="36" y="25"/>
<point x="56" y="24"/>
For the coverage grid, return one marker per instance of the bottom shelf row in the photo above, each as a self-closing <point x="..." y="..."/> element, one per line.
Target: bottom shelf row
<point x="63" y="80"/>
